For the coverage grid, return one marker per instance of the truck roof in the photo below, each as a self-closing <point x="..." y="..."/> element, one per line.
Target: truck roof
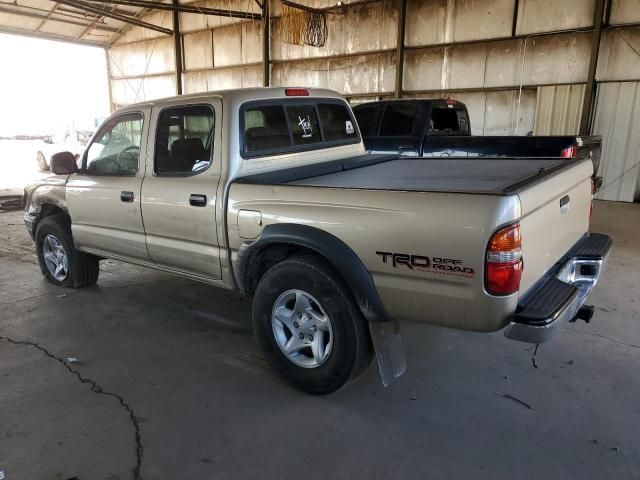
<point x="409" y="100"/>
<point x="237" y="96"/>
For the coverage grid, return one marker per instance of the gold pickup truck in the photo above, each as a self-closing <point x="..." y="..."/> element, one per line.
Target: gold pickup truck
<point x="271" y="192"/>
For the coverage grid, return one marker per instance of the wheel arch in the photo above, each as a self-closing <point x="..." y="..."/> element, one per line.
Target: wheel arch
<point x="280" y="241"/>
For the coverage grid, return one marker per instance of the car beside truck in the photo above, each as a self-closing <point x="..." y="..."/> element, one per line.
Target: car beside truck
<point x="272" y="193"/>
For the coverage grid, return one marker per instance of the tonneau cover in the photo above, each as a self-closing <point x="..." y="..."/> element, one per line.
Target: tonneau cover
<point x="496" y="176"/>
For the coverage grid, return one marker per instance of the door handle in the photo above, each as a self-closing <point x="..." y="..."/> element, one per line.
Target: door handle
<point x="197" y="200"/>
<point x="126" y="197"/>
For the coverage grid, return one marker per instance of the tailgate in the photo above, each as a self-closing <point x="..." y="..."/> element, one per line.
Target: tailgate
<point x="555" y="214"/>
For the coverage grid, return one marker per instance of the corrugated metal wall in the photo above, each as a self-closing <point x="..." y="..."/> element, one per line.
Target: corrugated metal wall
<point x="460" y="48"/>
<point x="618" y="121"/>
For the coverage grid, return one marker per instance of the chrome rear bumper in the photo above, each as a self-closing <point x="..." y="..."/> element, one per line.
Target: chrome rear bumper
<point x="559" y="296"/>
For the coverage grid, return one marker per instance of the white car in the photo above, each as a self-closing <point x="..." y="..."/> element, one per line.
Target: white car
<point x="73" y="141"/>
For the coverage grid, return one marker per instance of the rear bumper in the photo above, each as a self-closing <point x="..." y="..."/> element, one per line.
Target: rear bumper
<point x="560" y="294"/>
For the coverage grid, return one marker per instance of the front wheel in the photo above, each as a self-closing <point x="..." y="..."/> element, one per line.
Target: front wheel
<point x="59" y="261"/>
<point x="309" y="327"/>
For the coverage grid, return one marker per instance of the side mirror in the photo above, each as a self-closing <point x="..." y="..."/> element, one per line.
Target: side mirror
<point x="63" y="163"/>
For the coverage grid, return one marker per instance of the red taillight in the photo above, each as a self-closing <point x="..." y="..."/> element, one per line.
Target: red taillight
<point x="296" y="92"/>
<point x="504" y="261"/>
<point x="450" y="101"/>
<point x="569" y="152"/>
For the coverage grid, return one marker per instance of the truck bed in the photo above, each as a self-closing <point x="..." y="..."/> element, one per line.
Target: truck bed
<point x="496" y="176"/>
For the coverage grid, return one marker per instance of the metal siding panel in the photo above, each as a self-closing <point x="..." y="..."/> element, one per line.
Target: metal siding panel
<point x="198" y="50"/>
<point x="142" y="58"/>
<point x="619" y="58"/>
<point x="557" y="59"/>
<point x="227" y="46"/>
<point x="558" y="110"/>
<point x="425" y="22"/>
<point x="617" y="119"/>
<point x="549" y="15"/>
<point x="625" y="11"/>
<point x="348" y="32"/>
<point x="482" y="19"/>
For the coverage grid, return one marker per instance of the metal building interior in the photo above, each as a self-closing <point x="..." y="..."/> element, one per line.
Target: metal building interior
<point x="540" y="67"/>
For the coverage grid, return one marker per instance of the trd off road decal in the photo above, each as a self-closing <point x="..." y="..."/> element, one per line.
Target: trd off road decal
<point x="439" y="265"/>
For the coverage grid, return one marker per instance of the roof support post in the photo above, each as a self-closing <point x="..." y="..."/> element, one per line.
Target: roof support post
<point x="177" y="41"/>
<point x="402" y="16"/>
<point x="108" y="60"/>
<point x="266" y="47"/>
<point x="588" y="103"/>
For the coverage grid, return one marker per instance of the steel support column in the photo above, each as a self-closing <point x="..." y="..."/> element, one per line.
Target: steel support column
<point x="177" y="41"/>
<point x="108" y="60"/>
<point x="266" y="47"/>
<point x="590" y="90"/>
<point x="402" y="16"/>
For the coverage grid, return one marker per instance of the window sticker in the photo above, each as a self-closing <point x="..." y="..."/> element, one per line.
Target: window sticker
<point x="349" y="127"/>
<point x="305" y="124"/>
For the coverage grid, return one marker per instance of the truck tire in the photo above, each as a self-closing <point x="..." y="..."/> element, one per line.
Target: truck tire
<point x="309" y="327"/>
<point x="59" y="261"/>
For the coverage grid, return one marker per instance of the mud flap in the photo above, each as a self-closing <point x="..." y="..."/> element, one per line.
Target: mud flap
<point x="387" y="342"/>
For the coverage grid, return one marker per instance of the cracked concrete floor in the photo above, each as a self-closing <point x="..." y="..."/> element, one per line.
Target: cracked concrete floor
<point x="181" y="357"/>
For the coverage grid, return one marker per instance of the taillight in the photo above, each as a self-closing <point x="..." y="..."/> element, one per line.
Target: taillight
<point x="503" y="269"/>
<point x="569" y="152"/>
<point x="296" y="92"/>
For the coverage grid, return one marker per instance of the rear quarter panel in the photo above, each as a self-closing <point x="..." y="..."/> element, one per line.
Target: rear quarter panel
<point x="438" y="226"/>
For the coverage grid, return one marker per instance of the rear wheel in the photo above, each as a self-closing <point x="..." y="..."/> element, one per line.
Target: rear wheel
<point x="309" y="327"/>
<point x="59" y="261"/>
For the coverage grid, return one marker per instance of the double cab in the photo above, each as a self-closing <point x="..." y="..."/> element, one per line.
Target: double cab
<point x="271" y="192"/>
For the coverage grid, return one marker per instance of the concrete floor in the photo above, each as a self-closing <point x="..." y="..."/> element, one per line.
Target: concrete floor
<point x="169" y="381"/>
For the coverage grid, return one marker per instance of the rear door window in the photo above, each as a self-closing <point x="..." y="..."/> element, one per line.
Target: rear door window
<point x="398" y="120"/>
<point x="184" y="140"/>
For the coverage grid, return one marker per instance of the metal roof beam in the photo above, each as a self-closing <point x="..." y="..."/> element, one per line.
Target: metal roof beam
<point x="13" y="11"/>
<point x="49" y="36"/>
<point x="82" y="5"/>
<point x="184" y="8"/>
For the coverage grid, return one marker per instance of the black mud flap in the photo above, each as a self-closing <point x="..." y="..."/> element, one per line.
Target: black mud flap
<point x="387" y="342"/>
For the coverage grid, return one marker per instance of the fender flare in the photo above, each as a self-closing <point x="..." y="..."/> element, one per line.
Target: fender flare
<point x="339" y="255"/>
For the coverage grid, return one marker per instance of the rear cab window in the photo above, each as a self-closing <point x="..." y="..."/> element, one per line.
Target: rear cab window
<point x="448" y="119"/>
<point x="283" y="126"/>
